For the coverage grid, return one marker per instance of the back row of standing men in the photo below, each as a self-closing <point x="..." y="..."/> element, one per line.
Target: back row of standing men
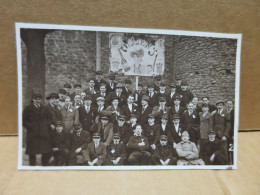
<point x="110" y="108"/>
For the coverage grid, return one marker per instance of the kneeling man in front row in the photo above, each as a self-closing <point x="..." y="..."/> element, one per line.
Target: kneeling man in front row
<point x="138" y="148"/>
<point x="187" y="151"/>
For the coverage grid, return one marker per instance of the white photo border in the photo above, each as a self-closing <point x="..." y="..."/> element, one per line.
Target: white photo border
<point x="18" y="27"/>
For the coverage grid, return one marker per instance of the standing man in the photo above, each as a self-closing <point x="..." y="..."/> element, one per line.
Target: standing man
<point x="130" y="108"/>
<point x="126" y="89"/>
<point x="206" y="123"/>
<point x="153" y="96"/>
<point x="67" y="87"/>
<point x="117" y="93"/>
<point x="35" y="120"/>
<point x="99" y="80"/>
<point x="77" y="90"/>
<point x="52" y="110"/>
<point x="185" y="94"/>
<point x="171" y="96"/>
<point x="122" y="129"/>
<point x="114" y="110"/>
<point x="174" y="135"/>
<point x="178" y="84"/>
<point x="145" y="110"/>
<point x="111" y="85"/>
<point x="91" y="87"/>
<point x="139" y="94"/>
<point x="162" y="90"/>
<point x="212" y="108"/>
<point x="161" y="110"/>
<point x="101" y="93"/>
<point x="87" y="113"/>
<point x="177" y="108"/>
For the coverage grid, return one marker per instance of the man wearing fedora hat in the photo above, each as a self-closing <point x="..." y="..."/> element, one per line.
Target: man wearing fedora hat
<point x="35" y="120"/>
<point x="79" y="141"/>
<point x="164" y="154"/>
<point x="96" y="151"/>
<point x="116" y="152"/>
<point x="54" y="113"/>
<point x="104" y="128"/>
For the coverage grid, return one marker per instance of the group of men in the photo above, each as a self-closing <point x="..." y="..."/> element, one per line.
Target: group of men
<point x="107" y="124"/>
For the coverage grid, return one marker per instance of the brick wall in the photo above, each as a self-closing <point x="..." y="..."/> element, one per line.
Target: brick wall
<point x="70" y="58"/>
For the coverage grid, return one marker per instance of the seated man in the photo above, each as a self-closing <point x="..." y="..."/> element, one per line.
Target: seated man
<point x="79" y="141"/>
<point x="123" y="129"/>
<point x="212" y="151"/>
<point x="187" y="151"/>
<point x="60" y="145"/>
<point x="116" y="154"/>
<point x="96" y="151"/>
<point x="164" y="153"/>
<point x="138" y="147"/>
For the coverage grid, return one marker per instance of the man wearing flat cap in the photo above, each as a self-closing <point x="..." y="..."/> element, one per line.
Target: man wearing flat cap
<point x="212" y="151"/>
<point x="104" y="128"/>
<point x="35" y="120"/>
<point x="161" y="109"/>
<point x="99" y="80"/>
<point x="96" y="151"/>
<point x="100" y="107"/>
<point x="164" y="153"/>
<point x="54" y="113"/>
<point x="77" y="90"/>
<point x="185" y="94"/>
<point x="79" y="141"/>
<point x="171" y="95"/>
<point x="116" y="152"/>
<point x="87" y="113"/>
<point x="111" y="85"/>
<point x="162" y="90"/>
<point x="145" y="110"/>
<point x="122" y="129"/>
<point x="174" y="135"/>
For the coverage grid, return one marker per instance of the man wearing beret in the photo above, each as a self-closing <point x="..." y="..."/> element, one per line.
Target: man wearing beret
<point x="77" y="90"/>
<point x="122" y="129"/>
<point x="171" y="96"/>
<point x="212" y="151"/>
<point x="153" y="96"/>
<point x="104" y="128"/>
<point x="191" y="121"/>
<point x="87" y="113"/>
<point x="79" y="141"/>
<point x="164" y="153"/>
<point x="99" y="80"/>
<point x="116" y="152"/>
<point x="54" y="113"/>
<point x="145" y="110"/>
<point x="138" y="148"/>
<point x="152" y="132"/>
<point x="35" y="120"/>
<point x="96" y="151"/>
<point x="60" y="144"/>
<point x="111" y="85"/>
<point x="185" y="94"/>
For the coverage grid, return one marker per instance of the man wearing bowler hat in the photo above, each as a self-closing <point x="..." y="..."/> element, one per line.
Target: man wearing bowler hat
<point x="212" y="151"/>
<point x="79" y="141"/>
<point x="35" y="120"/>
<point x="164" y="153"/>
<point x="116" y="152"/>
<point x="104" y="128"/>
<point x="96" y="151"/>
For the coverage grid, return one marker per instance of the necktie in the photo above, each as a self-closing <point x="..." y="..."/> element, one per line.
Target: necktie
<point x="150" y="94"/>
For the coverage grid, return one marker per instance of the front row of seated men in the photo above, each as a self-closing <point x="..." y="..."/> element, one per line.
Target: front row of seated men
<point x="137" y="150"/>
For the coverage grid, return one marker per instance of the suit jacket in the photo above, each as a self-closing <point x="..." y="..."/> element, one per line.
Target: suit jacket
<point x="152" y="133"/>
<point x="126" y="111"/>
<point x="166" y="131"/>
<point x="99" y="152"/>
<point x="169" y="99"/>
<point x="35" y="120"/>
<point x="158" y="114"/>
<point x="122" y="98"/>
<point x="109" y="89"/>
<point x="179" y="112"/>
<point x="81" y="141"/>
<point x="90" y="92"/>
<point x="143" y="116"/>
<point x="86" y="119"/>
<point x="109" y="112"/>
<point x="222" y="124"/>
<point x="164" y="152"/>
<point x="154" y="100"/>
<point x="124" y="131"/>
<point x="69" y="117"/>
<point x="116" y="150"/>
<point x="54" y="114"/>
<point x="198" y="109"/>
<point x="133" y="142"/>
<point x="106" y="133"/>
<point x="190" y="121"/>
<point x="174" y="135"/>
<point x="186" y="97"/>
<point x="206" y="125"/>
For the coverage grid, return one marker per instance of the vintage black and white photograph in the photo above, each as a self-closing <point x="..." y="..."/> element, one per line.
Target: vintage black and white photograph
<point x="107" y="98"/>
